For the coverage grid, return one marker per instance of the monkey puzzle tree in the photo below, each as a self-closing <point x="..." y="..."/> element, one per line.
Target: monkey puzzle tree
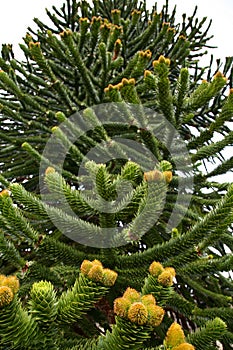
<point x="104" y="127"/>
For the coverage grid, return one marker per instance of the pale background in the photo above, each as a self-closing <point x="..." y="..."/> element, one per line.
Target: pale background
<point x="16" y="16"/>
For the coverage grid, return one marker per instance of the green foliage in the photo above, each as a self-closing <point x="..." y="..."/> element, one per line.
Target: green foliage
<point x="47" y="320"/>
<point x="61" y="217"/>
<point x="37" y="323"/>
<point x="68" y="73"/>
<point x="208" y="334"/>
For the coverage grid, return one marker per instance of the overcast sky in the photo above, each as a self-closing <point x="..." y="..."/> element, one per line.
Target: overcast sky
<point x="16" y="16"/>
<point x="221" y="13"/>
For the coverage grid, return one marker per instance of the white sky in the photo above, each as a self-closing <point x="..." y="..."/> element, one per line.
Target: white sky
<point x="17" y="15"/>
<point x="221" y="13"/>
